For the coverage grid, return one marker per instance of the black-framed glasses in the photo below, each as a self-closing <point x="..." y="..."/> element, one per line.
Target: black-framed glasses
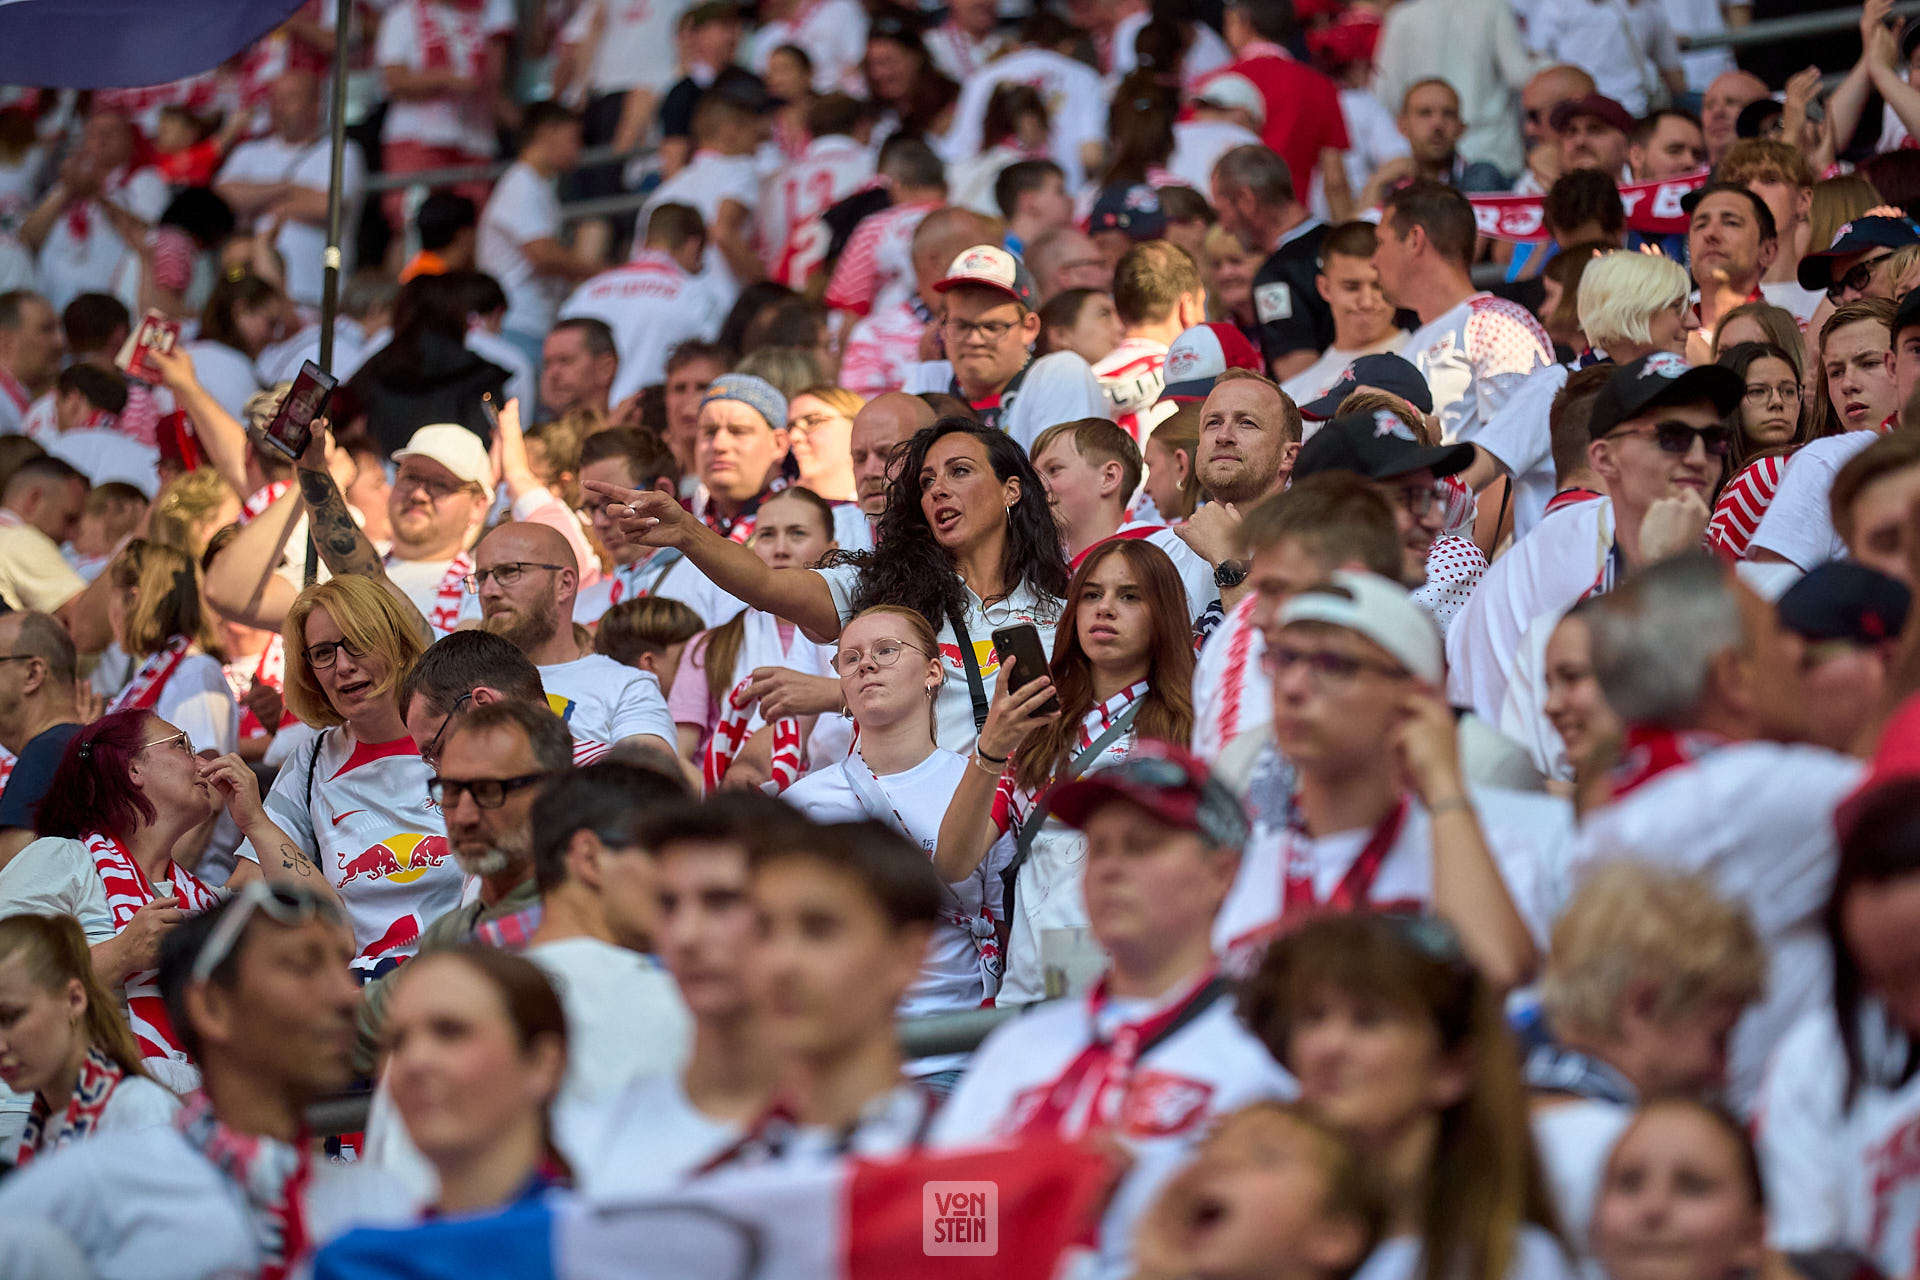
<point x="1858" y="279"/>
<point x="282" y="903"/>
<point x="488" y="793"/>
<point x="885" y="653"/>
<point x="1759" y="394"/>
<point x="179" y="739"/>
<point x="991" y="330"/>
<point x="1678" y="437"/>
<point x="1324" y="666"/>
<point x="431" y="751"/>
<point x="505" y="574"/>
<point x="327" y="652"/>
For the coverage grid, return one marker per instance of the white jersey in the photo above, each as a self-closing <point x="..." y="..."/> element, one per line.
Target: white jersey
<point x="135" y="1102"/>
<point x="1520" y="438"/>
<point x="1544" y="572"/>
<point x="644" y="1140"/>
<point x="1575" y="1138"/>
<point x="882" y="349"/>
<point x="418" y="33"/>
<point x="953" y="707"/>
<point x="604" y="700"/>
<point x="1473" y="357"/>
<point x="874" y="272"/>
<point x="524" y="207"/>
<point x="147" y="1205"/>
<point x="362" y="811"/>
<point x="708" y="183"/>
<point x="1198" y="146"/>
<point x="197" y="699"/>
<point x="1059" y="387"/>
<point x="1076" y="106"/>
<point x="1840" y="1175"/>
<point x="793" y="240"/>
<point x="1757" y="818"/>
<point x="1319" y="377"/>
<point x="652" y="306"/>
<point x="1159" y="1110"/>
<point x="625" y="1018"/>
<point x="1231" y="695"/>
<point x="308" y="166"/>
<point x="84" y="254"/>
<point x="958" y="55"/>
<point x="914" y="802"/>
<point x="834" y="35"/>
<point x="1133" y="375"/>
<point x="664" y="573"/>
<point x="1798" y="523"/>
<point x="635" y="47"/>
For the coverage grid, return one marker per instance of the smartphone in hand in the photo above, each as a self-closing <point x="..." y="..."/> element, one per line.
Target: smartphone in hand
<point x="155" y="333"/>
<point x="291" y="430"/>
<point x="1022" y="644"/>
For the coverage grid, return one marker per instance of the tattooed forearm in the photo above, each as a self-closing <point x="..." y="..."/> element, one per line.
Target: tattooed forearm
<point x="294" y="861"/>
<point x="342" y="545"/>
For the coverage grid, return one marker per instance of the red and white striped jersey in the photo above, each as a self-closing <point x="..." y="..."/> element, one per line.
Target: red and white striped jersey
<point x="1745" y="499"/>
<point x="793" y="240"/>
<point x="875" y="271"/>
<point x="881" y="348"/>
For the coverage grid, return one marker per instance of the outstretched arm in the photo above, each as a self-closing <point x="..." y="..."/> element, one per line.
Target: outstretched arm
<point x="343" y="544"/>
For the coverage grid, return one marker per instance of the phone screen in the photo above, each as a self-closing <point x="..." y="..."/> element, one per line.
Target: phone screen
<point x="291" y="430"/>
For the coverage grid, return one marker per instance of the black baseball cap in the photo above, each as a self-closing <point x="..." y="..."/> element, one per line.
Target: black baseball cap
<point x="1841" y="600"/>
<point x="1909" y="312"/>
<point x="1378" y="445"/>
<point x="1130" y="208"/>
<point x="1390" y="373"/>
<point x="1876" y="231"/>
<point x="1660" y="378"/>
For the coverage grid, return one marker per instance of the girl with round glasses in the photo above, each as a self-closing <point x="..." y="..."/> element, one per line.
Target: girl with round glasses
<point x="890" y="674"/>
<point x="129" y="792"/>
<point x="157" y="617"/>
<point x="1770" y="422"/>
<point x="1122" y="669"/>
<point x="64" y="1042"/>
<point x="349" y="816"/>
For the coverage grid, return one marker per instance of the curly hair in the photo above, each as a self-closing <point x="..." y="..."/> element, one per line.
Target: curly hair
<point x="909" y="568"/>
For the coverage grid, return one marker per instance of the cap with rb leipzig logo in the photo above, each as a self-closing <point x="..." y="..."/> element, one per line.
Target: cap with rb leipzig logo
<point x="1132" y="209"/>
<point x="1883" y="228"/>
<point x="1661" y="378"/>
<point x="991" y="267"/>
<point x="1383" y="372"/>
<point x="1379" y="445"/>
<point x="1199" y="356"/>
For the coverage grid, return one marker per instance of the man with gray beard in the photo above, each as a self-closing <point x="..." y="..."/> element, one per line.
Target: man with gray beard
<point x="526" y="576"/>
<point x="492" y="763"/>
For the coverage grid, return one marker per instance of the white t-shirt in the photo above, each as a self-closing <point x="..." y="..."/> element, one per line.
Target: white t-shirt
<point x="146" y="1205"/>
<point x="227" y="375"/>
<point x="308" y="166"/>
<point x="1798" y="524"/>
<point x="84" y="254"/>
<point x="351" y="346"/>
<point x="1757" y="818"/>
<point x="1544" y="572"/>
<point x="524" y="207"/>
<point x="599" y="698"/>
<point x="104" y="455"/>
<point x="1840" y="1175"/>
<point x="636" y="43"/>
<point x="625" y="1018"/>
<point x="834" y="34"/>
<point x="678" y="578"/>
<point x="1473" y="357"/>
<point x="1536" y="1256"/>
<point x="1177" y="1089"/>
<point x="197" y="698"/>
<point x="1060" y="387"/>
<point x="953" y="708"/>
<point x="434" y="588"/>
<point x="382" y="841"/>
<point x="793" y="240"/>
<point x="1520" y="437"/>
<point x="1788" y="295"/>
<point x="647" y="1139"/>
<point x="1619" y="49"/>
<point x="652" y="306"/>
<point x="1076" y="106"/>
<point x="915" y="801"/>
<point x="1318" y="378"/>
<point x="1575" y="1139"/>
<point x="1198" y="146"/>
<point x="462" y="123"/>
<point x="708" y="182"/>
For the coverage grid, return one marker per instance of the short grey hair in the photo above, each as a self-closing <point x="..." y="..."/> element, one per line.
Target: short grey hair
<point x="1655" y="639"/>
<point x="1256" y="168"/>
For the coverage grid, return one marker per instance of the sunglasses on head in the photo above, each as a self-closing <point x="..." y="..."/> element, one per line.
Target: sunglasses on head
<point x="283" y="904"/>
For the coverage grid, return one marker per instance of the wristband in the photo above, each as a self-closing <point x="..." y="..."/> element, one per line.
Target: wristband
<point x="987" y="759"/>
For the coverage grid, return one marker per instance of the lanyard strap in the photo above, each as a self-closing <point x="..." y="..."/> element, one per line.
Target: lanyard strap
<point x="976" y="687"/>
<point x="1354" y="889"/>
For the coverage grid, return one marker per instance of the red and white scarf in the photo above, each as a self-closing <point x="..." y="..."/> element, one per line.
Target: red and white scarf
<point x="1356" y="887"/>
<point x="143" y="691"/>
<point x="444" y="617"/>
<point x="99" y="1076"/>
<point x="14" y="390"/>
<point x="732" y="733"/>
<point x="1091" y="1094"/>
<point x="1014" y="805"/>
<point x="128" y="890"/>
<point x="271" y="671"/>
<point x="260" y="499"/>
<point x="1651" y="750"/>
<point x="272" y="1177"/>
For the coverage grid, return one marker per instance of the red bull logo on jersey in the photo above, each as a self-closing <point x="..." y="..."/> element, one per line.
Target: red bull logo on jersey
<point x="983" y="653"/>
<point x="401" y="858"/>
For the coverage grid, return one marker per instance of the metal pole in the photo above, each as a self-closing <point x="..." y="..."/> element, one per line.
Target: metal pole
<point x="336" y="215"/>
<point x="1775" y="30"/>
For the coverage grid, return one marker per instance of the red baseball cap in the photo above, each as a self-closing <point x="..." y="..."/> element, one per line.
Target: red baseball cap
<point x="1199" y="356"/>
<point x="1166" y="780"/>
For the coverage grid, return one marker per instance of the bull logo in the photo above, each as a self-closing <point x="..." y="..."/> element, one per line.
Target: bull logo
<point x="401" y="858"/>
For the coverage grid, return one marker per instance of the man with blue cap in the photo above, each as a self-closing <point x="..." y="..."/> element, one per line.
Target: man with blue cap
<point x="741" y="440"/>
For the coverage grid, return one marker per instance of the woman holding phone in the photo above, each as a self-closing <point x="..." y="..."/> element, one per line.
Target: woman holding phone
<point x="967" y="539"/>
<point x="1122" y="669"/>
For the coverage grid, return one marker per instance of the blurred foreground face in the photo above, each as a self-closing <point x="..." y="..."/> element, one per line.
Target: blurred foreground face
<point x="1675" y="1204"/>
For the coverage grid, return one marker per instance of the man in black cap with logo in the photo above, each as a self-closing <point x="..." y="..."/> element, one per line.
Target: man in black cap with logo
<point x="1848" y="618"/>
<point x="989" y="328"/>
<point x="1850" y="268"/>
<point x="1381" y="372"/>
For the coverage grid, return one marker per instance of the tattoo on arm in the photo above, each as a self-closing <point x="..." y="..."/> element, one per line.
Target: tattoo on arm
<point x="291" y="859"/>
<point x="342" y="545"/>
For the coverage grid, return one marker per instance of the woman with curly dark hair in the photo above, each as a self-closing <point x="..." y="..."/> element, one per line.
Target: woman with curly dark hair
<point x="967" y="541"/>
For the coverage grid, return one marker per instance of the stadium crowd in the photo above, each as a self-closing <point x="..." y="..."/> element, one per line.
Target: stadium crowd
<point x="1343" y="567"/>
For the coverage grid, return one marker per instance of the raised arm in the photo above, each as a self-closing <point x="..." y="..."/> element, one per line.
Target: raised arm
<point x="243" y="582"/>
<point x="968" y="831"/>
<point x="224" y="439"/>
<point x="343" y="545"/>
<point x="800" y="596"/>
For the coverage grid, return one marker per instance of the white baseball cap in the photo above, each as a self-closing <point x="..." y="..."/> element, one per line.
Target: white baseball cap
<point x="1382" y="611"/>
<point x="1231" y="91"/>
<point x="992" y="267"/>
<point x="455" y="448"/>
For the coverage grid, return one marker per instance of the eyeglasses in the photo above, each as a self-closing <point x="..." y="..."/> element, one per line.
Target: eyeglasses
<point x="1759" y="394"/>
<point x="18" y="657"/>
<point x="181" y="739"/>
<point x="814" y="421"/>
<point x="1678" y="437"/>
<point x="1857" y="279"/>
<point x="327" y="652"/>
<point x="505" y="574"/>
<point x="283" y="904"/>
<point x="488" y="793"/>
<point x="884" y="653"/>
<point x="432" y="750"/>
<point x="1419" y="499"/>
<point x="991" y="330"/>
<point x="438" y="490"/>
<point x="1325" y="666"/>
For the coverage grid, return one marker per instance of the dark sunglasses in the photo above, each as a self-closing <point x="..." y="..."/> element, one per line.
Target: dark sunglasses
<point x="1678" y="437"/>
<point x="1857" y="279"/>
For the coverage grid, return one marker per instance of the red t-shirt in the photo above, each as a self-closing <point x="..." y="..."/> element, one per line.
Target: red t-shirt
<point x="1303" y="109"/>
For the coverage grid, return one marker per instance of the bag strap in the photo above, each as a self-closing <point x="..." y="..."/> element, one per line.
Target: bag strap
<point x="976" y="686"/>
<point x="313" y="765"/>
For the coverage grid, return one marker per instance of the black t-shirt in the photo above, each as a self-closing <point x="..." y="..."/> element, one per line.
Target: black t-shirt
<point x="1286" y="300"/>
<point x="676" y="109"/>
<point x="33" y="775"/>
